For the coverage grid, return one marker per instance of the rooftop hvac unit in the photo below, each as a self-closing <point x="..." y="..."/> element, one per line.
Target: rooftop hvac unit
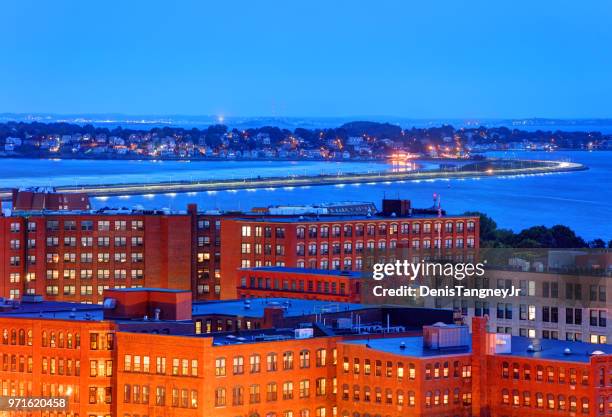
<point x="304" y="333"/>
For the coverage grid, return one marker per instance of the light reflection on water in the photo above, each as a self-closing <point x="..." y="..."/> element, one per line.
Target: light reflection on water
<point x="576" y="199"/>
<point x="580" y="200"/>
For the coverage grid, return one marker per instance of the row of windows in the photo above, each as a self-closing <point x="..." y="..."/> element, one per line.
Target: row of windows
<point x="550" y="289"/>
<point x="359" y="230"/>
<point x="254" y="364"/>
<point x="86" y="225"/>
<point x="85" y="290"/>
<point x="101" y="257"/>
<point x="180" y="397"/>
<point x="24" y="389"/>
<point x="319" y="286"/>
<point x="180" y="366"/>
<point x="348" y="261"/>
<point x="68" y="367"/>
<point x="85" y="242"/>
<point x="252" y="395"/>
<point x="347" y="248"/>
<point x="547" y="401"/>
<point x="52" y="274"/>
<point x="549" y="314"/>
<point x="206" y="326"/>
<point x="288" y="391"/>
<point x="553" y="375"/>
<point x="431" y="399"/>
<point x="432" y="371"/>
<point x="17" y="363"/>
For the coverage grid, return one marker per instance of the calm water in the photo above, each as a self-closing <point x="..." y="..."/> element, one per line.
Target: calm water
<point x="580" y="200"/>
<point x="52" y="172"/>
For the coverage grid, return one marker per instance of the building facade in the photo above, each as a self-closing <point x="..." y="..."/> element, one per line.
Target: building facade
<point x="75" y="255"/>
<point x="335" y="243"/>
<point x="107" y="371"/>
<point x="314" y="284"/>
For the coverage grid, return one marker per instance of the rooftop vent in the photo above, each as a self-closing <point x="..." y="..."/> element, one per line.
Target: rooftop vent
<point x="567" y="351"/>
<point x="109" y="303"/>
<point x="597" y="352"/>
<point x="402" y="345"/>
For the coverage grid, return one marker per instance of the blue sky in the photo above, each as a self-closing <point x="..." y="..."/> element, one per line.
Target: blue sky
<point x="429" y="59"/>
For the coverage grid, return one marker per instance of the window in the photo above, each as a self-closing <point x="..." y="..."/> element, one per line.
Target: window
<point x="160" y="396"/>
<point x="304" y="388"/>
<point x="288" y="360"/>
<point x="220" y="399"/>
<point x="254" y="394"/>
<point x="238" y="365"/>
<point x="238" y="396"/>
<point x="321" y="357"/>
<point x="271" y="392"/>
<point x="305" y="359"/>
<point x="254" y="363"/>
<point x="220" y="367"/>
<point x="288" y="390"/>
<point x="272" y="362"/>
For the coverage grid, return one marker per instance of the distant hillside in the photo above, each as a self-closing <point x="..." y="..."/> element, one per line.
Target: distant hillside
<point x="380" y="130"/>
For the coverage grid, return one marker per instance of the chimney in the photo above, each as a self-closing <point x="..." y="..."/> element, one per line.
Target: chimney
<point x="479" y="367"/>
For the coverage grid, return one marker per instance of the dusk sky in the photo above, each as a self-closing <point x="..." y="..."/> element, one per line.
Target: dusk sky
<point x="432" y="59"/>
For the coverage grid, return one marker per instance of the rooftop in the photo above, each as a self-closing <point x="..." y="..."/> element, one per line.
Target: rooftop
<point x="148" y="289"/>
<point x="555" y="350"/>
<point x="255" y="307"/>
<point x="52" y="310"/>
<point x="328" y="219"/>
<point x="407" y="346"/>
<point x="253" y="336"/>
<point x="550" y="349"/>
<point x="308" y="271"/>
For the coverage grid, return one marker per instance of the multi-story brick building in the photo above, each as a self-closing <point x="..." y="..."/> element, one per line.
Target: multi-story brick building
<point x="75" y="255"/>
<point x="336" y="242"/>
<point x="107" y="370"/>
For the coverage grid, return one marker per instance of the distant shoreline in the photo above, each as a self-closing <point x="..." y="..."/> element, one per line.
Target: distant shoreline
<point x="500" y="167"/>
<point x="271" y="159"/>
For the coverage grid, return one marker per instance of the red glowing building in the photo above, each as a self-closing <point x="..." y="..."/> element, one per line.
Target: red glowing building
<point x="76" y="255"/>
<point x="110" y="367"/>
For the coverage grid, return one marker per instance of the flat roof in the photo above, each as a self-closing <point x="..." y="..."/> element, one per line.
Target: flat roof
<point x="148" y="289"/>
<point x="555" y="350"/>
<point x="253" y="336"/>
<point x="339" y="218"/>
<point x="54" y="310"/>
<point x="309" y="271"/>
<point x="413" y="347"/>
<point x="293" y="307"/>
<point x="550" y="349"/>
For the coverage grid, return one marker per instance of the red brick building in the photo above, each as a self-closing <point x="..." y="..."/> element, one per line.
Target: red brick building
<point x="313" y="284"/>
<point x="105" y="370"/>
<point x="75" y="255"/>
<point x="335" y="242"/>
